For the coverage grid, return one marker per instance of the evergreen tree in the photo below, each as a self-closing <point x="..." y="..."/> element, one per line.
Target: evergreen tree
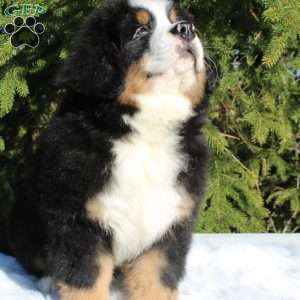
<point x="27" y="95"/>
<point x="254" y="127"/>
<point x="254" y="123"/>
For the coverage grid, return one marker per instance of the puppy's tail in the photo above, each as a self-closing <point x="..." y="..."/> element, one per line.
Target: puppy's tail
<point x="4" y="244"/>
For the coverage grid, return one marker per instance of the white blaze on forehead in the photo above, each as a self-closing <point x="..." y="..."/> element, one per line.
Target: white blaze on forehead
<point x="158" y="8"/>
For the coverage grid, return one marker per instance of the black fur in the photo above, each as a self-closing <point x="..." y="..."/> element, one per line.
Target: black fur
<point x="50" y="233"/>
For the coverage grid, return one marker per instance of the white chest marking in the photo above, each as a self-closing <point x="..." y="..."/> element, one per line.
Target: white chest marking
<point x="141" y="202"/>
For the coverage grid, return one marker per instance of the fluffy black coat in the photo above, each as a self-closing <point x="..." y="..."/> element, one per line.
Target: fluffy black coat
<point x="50" y="233"/>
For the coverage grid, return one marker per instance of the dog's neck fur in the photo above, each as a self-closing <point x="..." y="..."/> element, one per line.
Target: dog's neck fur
<point x="161" y="111"/>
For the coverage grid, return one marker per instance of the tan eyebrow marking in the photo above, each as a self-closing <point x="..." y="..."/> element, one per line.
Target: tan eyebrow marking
<point x="173" y="15"/>
<point x="143" y="17"/>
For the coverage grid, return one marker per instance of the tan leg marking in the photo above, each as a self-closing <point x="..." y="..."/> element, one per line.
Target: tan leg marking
<point x="101" y="288"/>
<point x="142" y="278"/>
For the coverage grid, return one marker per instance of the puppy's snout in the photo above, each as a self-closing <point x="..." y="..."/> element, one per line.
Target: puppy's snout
<point x="185" y="30"/>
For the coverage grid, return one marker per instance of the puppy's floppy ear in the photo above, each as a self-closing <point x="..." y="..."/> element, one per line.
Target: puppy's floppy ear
<point x="93" y="64"/>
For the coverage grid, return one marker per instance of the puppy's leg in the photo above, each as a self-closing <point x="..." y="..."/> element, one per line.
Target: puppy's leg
<point x="79" y="258"/>
<point x="100" y="290"/>
<point x="156" y="274"/>
<point x="143" y="278"/>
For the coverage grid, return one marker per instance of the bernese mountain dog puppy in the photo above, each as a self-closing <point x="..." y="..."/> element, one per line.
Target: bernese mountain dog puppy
<point x="115" y="181"/>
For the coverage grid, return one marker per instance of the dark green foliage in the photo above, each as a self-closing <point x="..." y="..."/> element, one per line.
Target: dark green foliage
<point x="254" y="124"/>
<point x="254" y="127"/>
<point x="27" y="95"/>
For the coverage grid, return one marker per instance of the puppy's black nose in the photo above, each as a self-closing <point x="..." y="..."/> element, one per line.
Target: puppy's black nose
<point x="185" y="30"/>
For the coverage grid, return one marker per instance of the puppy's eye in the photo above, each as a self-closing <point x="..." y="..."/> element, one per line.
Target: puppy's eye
<point x="141" y="32"/>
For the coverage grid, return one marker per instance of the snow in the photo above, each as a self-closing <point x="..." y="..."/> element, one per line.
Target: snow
<point x="219" y="267"/>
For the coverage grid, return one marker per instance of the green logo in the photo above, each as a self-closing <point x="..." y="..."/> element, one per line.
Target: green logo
<point x="24" y="10"/>
<point x="24" y="29"/>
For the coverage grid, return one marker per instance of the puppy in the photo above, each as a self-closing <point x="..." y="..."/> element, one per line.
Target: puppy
<point x="116" y="179"/>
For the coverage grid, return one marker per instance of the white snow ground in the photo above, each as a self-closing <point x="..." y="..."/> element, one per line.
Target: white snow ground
<point x="220" y="267"/>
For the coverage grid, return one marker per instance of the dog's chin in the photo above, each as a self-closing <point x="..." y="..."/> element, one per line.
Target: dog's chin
<point x="186" y="63"/>
<point x="187" y="52"/>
